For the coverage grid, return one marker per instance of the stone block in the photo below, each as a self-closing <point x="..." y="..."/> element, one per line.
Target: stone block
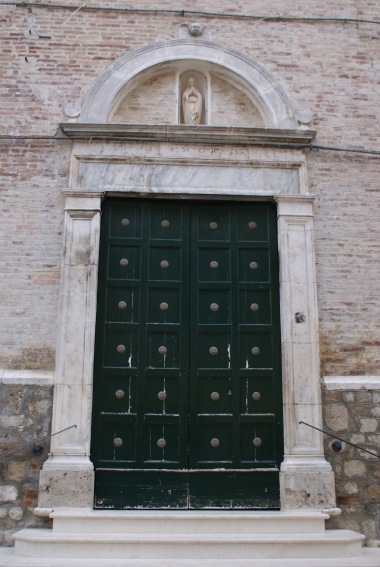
<point x="336" y="417"/>
<point x="363" y="396"/>
<point x="351" y="488"/>
<point x="359" y="409"/>
<point x="372" y="491"/>
<point x="8" y="493"/>
<point x="17" y="470"/>
<point x="307" y="490"/>
<point x="374" y="440"/>
<point x="368" y="425"/>
<point x="357" y="439"/>
<point x="355" y="468"/>
<point x="16" y="513"/>
<point x="348" y="396"/>
<point x="66" y="488"/>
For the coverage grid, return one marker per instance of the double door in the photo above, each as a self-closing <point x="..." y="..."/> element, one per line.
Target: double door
<point x="187" y="382"/>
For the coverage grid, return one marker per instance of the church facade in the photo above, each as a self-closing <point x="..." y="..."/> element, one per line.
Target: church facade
<point x="191" y="260"/>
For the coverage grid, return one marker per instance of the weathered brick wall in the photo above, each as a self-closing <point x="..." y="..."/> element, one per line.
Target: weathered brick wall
<point x="31" y="175"/>
<point x="25" y="416"/>
<point x="331" y="67"/>
<point x="354" y="415"/>
<point x="232" y="107"/>
<point x="148" y="103"/>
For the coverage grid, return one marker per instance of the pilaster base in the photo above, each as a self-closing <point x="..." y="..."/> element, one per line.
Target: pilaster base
<point x="62" y="488"/>
<point x="307" y="489"/>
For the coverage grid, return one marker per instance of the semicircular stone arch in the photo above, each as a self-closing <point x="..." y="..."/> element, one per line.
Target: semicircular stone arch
<point x="243" y="73"/>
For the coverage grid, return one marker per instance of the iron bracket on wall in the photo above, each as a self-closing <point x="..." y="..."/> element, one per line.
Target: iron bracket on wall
<point x="36" y="447"/>
<point x="337" y="448"/>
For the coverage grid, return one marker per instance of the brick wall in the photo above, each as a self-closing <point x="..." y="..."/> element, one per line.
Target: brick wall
<point x="330" y="67"/>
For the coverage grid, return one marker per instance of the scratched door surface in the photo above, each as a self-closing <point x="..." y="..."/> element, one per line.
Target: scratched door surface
<point x="187" y="385"/>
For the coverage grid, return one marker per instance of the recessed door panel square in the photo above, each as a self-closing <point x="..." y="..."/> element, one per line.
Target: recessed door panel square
<point x="257" y="442"/>
<point x="164" y="305"/>
<point x="214" y="395"/>
<point x="165" y="223"/>
<point x="252" y="224"/>
<point x="164" y="264"/>
<point x="120" y="349"/>
<point x="163" y="350"/>
<point x="214" y="350"/>
<point x="124" y="262"/>
<point x="214" y="307"/>
<point x="214" y="443"/>
<point x="161" y="443"/>
<point x="118" y="442"/>
<point x="256" y="350"/>
<point x="214" y="224"/>
<point x="214" y="265"/>
<point x="119" y="394"/>
<point x="253" y="265"/>
<point x="126" y="222"/>
<point x="123" y="304"/>
<point x="255" y="307"/>
<point x="162" y="394"/>
<point x="256" y="394"/>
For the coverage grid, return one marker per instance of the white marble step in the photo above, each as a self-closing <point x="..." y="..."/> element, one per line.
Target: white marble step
<point x="187" y="522"/>
<point x="44" y="543"/>
<point x="369" y="558"/>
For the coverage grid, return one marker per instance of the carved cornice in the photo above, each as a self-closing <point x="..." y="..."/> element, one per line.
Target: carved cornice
<point x="190" y="134"/>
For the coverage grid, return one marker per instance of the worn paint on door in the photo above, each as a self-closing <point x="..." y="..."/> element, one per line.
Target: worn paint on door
<point x="187" y="385"/>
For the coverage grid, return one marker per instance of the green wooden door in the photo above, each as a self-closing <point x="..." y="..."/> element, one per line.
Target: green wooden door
<point x="187" y="383"/>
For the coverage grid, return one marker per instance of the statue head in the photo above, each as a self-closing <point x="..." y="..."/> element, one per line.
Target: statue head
<point x="195" y="29"/>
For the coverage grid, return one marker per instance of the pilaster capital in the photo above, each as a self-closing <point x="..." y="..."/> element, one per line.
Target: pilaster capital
<point x="81" y="204"/>
<point x="295" y="205"/>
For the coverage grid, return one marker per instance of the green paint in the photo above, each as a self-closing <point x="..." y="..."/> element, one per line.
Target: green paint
<point x="185" y="414"/>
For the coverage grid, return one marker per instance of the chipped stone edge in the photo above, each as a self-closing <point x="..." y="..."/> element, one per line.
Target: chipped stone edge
<point x="351" y="382"/>
<point x="26" y="377"/>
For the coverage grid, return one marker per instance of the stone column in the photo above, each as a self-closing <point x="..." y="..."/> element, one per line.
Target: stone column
<point x="67" y="477"/>
<point x="306" y="479"/>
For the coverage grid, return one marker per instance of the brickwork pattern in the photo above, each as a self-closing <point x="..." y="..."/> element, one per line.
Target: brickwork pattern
<point x="148" y="102"/>
<point x="354" y="415"/>
<point x="330" y="67"/>
<point x="25" y="416"/>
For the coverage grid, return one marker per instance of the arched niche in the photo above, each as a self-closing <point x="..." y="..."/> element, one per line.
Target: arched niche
<point x="167" y="61"/>
<point x="154" y="96"/>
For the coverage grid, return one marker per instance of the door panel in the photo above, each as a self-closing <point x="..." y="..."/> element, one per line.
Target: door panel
<point x="187" y="385"/>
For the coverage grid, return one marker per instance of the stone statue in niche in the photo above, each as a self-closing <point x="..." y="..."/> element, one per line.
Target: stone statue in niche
<point x="191" y="103"/>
